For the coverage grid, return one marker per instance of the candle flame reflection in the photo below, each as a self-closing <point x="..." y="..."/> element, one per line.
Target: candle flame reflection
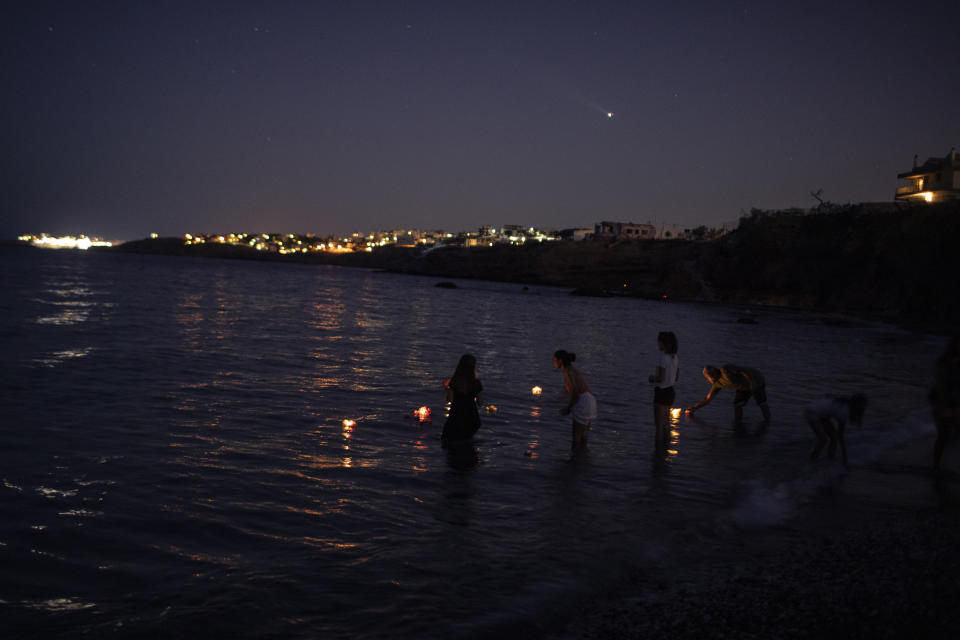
<point x="675" y="414"/>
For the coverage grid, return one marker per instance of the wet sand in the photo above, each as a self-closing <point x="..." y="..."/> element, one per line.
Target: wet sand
<point x="894" y="574"/>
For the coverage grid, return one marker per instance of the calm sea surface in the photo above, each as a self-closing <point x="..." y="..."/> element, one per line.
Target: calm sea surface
<point x="175" y="459"/>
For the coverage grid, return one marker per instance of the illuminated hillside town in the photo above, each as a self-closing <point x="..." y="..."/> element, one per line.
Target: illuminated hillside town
<point x="483" y="237"/>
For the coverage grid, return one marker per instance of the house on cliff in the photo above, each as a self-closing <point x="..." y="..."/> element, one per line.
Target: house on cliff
<point x="936" y="180"/>
<point x="619" y="230"/>
<point x="631" y="231"/>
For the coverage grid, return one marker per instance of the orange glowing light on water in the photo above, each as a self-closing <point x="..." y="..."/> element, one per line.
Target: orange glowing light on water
<point x="536" y="391"/>
<point x="348" y="423"/>
<point x="675" y="413"/>
<point x="491" y="408"/>
<point x="423" y="413"/>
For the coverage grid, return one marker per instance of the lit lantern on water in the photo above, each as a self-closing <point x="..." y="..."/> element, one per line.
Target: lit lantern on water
<point x="422" y="414"/>
<point x="536" y="391"/>
<point x="675" y="413"/>
<point x="491" y="408"/>
<point x="349" y="424"/>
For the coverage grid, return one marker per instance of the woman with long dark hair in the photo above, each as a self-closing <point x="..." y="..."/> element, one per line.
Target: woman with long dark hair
<point x="464" y="394"/>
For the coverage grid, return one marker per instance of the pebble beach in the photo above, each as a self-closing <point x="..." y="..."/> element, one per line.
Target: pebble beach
<point x="893" y="576"/>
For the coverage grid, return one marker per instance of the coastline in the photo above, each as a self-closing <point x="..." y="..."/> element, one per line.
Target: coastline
<point x="856" y="261"/>
<point x="893" y="575"/>
<point x="863" y="261"/>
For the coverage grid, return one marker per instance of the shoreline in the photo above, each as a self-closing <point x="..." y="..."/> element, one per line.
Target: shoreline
<point x="890" y="265"/>
<point x="891" y="575"/>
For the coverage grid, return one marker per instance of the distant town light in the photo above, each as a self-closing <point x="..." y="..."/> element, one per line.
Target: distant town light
<point x="65" y="242"/>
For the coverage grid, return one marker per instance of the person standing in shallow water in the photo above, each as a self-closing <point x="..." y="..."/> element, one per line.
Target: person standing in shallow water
<point x="745" y="381"/>
<point x="945" y="399"/>
<point x="464" y="392"/>
<point x="668" y="369"/>
<point x="582" y="406"/>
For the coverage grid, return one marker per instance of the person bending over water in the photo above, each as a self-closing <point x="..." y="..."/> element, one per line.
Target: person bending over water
<point x="668" y="368"/>
<point x="582" y="406"/>
<point x="945" y="398"/>
<point x="464" y="394"/>
<point x="828" y="416"/>
<point x="746" y="381"/>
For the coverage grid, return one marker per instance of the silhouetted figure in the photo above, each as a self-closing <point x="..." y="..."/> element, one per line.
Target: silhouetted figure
<point x="668" y="369"/>
<point x="828" y="417"/>
<point x="746" y="381"/>
<point x="582" y="406"/>
<point x="464" y="394"/>
<point x="945" y="398"/>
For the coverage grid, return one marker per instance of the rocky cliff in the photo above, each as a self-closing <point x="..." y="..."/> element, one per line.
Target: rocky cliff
<point x="902" y="264"/>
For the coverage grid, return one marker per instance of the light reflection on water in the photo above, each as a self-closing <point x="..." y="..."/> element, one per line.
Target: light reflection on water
<point x="192" y="434"/>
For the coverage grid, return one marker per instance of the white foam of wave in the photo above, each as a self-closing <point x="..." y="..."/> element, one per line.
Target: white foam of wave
<point x="47" y="492"/>
<point x="54" y="358"/>
<point x="764" y="506"/>
<point x="58" y="604"/>
<point x="768" y="506"/>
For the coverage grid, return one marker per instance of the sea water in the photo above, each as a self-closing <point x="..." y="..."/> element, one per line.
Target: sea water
<point x="197" y="446"/>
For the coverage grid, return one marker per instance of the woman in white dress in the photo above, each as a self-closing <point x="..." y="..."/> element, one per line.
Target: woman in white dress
<point x="582" y="406"/>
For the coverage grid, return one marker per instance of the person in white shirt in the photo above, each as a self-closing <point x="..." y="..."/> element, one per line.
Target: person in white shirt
<point x="828" y="416"/>
<point x="668" y="368"/>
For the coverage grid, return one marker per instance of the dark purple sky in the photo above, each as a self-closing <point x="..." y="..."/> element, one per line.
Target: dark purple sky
<point x="125" y="118"/>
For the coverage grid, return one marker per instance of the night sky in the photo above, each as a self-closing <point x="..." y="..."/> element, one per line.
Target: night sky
<point x="130" y="117"/>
